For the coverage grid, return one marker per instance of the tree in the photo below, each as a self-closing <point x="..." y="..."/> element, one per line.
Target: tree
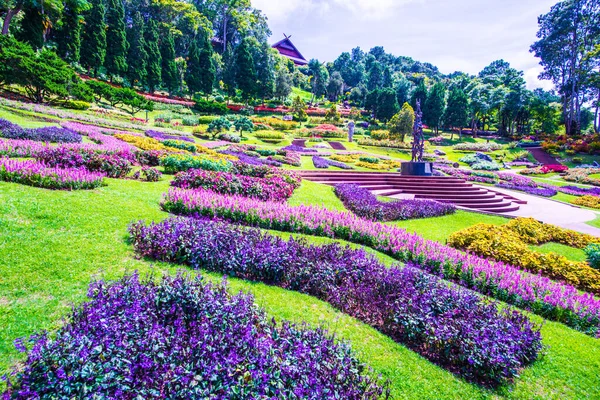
<point x="13" y="54"/>
<point x="245" y="73"/>
<point x="68" y="36"/>
<point x="388" y="79"/>
<point x="319" y="78"/>
<point x="116" y="40"/>
<point x="434" y="106"/>
<point x="229" y="72"/>
<point x="200" y="72"/>
<point x="218" y="126"/>
<point x="134" y="102"/>
<point x="403" y="87"/>
<point x="402" y="123"/>
<point x="332" y="114"/>
<point x="31" y="30"/>
<point x="169" y="73"/>
<point x="457" y="110"/>
<point x="299" y="109"/>
<point x="283" y="84"/>
<point x="242" y="124"/>
<point x="137" y="57"/>
<point x="93" y="49"/>
<point x="566" y="34"/>
<point x="335" y="86"/>
<point x="375" y="76"/>
<point x="44" y="76"/>
<point x="420" y="93"/>
<point x="153" y="67"/>
<point x="265" y="71"/>
<point x="387" y="105"/>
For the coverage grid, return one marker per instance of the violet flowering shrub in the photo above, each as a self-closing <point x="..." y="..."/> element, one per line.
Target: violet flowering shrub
<point x="20" y="148"/>
<point x="114" y="165"/>
<point x="552" y="300"/>
<point x="183" y="338"/>
<point x="516" y="180"/>
<point x="545" y="192"/>
<point x="51" y="134"/>
<point x="251" y="160"/>
<point x="103" y="141"/>
<point x="165" y="136"/>
<point x="273" y="188"/>
<point x="33" y="173"/>
<point x="298" y="149"/>
<point x="365" y="204"/>
<point x="265" y="171"/>
<point x="573" y="190"/>
<point x="320" y="162"/>
<point x="445" y="323"/>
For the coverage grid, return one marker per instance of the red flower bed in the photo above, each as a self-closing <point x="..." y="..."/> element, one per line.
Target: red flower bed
<point x="554" y="168"/>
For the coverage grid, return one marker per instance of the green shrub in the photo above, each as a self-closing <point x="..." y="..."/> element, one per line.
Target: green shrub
<point x="593" y="255"/>
<point x="76" y="105"/>
<point x="211" y="107"/>
<point x="180" y="162"/>
<point x="372" y="160"/>
<point x="190" y="121"/>
<point x="164" y="117"/>
<point x="206" y="119"/>
<point x="180" y="144"/>
<point x="271" y="135"/>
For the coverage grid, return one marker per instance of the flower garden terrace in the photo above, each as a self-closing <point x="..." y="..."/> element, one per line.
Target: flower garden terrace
<point x="505" y="361"/>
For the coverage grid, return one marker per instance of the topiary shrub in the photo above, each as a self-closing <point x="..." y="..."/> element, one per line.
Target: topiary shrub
<point x="593" y="255"/>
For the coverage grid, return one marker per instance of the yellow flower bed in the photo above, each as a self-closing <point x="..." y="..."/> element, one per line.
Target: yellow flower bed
<point x="587" y="201"/>
<point x="509" y="243"/>
<point x="276" y="123"/>
<point x="383" y="165"/>
<point x="349" y="159"/>
<point x="141" y="142"/>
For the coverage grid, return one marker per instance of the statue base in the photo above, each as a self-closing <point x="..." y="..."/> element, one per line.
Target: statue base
<point x="416" y="168"/>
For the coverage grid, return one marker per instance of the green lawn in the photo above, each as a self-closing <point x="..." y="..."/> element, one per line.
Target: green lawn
<point x="571" y="253"/>
<point x="54" y="243"/>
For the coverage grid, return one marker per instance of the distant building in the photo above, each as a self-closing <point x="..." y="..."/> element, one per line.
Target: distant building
<point x="286" y="48"/>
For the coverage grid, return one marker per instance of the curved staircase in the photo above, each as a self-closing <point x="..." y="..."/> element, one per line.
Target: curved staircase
<point x="443" y="189"/>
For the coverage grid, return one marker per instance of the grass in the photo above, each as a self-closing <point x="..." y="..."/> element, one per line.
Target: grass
<point x="54" y="243"/>
<point x="595" y="223"/>
<point x="23" y="121"/>
<point x="570" y="253"/>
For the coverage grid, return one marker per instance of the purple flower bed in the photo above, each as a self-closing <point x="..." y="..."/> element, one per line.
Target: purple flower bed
<point x="573" y="190"/>
<point x="545" y="192"/>
<point x="20" y="148"/>
<point x="51" y="134"/>
<point x="103" y="141"/>
<point x="252" y="160"/>
<point x="115" y="165"/>
<point x="298" y="149"/>
<point x="337" y="146"/>
<point x="182" y="338"/>
<point x="273" y="188"/>
<point x="33" y="173"/>
<point x="320" y="162"/>
<point x="517" y="180"/>
<point x="552" y="300"/>
<point x="365" y="204"/>
<point x="164" y="136"/>
<point x="472" y="337"/>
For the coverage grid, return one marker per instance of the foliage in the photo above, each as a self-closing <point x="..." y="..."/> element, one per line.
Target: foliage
<point x="173" y="324"/>
<point x="509" y="244"/>
<point x="481" y="147"/>
<point x="276" y="123"/>
<point x="544" y="192"/>
<point x="242" y="124"/>
<point x="33" y="173"/>
<point x="323" y="163"/>
<point x="365" y="204"/>
<point x="218" y="126"/>
<point x="116" y="39"/>
<point x="592" y="252"/>
<point x="200" y="74"/>
<point x="210" y="107"/>
<point x="181" y="162"/>
<point x="137" y="55"/>
<point x="246" y="77"/>
<point x="402" y="123"/>
<point x="113" y="165"/>
<point x="457" y="109"/>
<point x="149" y="174"/>
<point x="271" y="188"/>
<point x="404" y="303"/>
<point x="556" y="301"/>
<point x="384" y="143"/>
<point x="587" y="201"/>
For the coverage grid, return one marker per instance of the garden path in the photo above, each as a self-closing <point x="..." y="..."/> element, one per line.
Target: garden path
<point x="542" y="157"/>
<point x="554" y="212"/>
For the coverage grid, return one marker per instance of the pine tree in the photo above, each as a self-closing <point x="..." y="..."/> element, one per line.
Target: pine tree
<point x="169" y="72"/>
<point x="153" y="67"/>
<point x="137" y="56"/>
<point x="229" y="71"/>
<point x="93" y="48"/>
<point x="433" y="110"/>
<point x="457" y="111"/>
<point x="116" y="40"/>
<point x="245" y="72"/>
<point x="283" y="84"/>
<point x="31" y="30"/>
<point x="265" y="69"/>
<point x="200" y="73"/>
<point x="420" y="94"/>
<point x="68" y="37"/>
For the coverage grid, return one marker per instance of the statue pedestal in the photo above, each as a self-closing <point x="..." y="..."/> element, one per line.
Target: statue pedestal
<point x="416" y="168"/>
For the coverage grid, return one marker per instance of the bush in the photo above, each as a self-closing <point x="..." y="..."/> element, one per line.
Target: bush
<point x="587" y="201"/>
<point x="365" y="204"/>
<point x="151" y="174"/>
<point x="164" y="136"/>
<point x="445" y="323"/>
<point x="593" y="255"/>
<point x="115" y="165"/>
<point x="482" y="147"/>
<point x="187" y="339"/>
<point x="164" y="118"/>
<point x="190" y="121"/>
<point x="509" y="243"/>
<point x="276" y="123"/>
<point x="384" y="143"/>
<point x="552" y="300"/>
<point x="210" y="107"/>
<point x="271" y="135"/>
<point x="486" y="166"/>
<point x="272" y="188"/>
<point x="178" y="162"/>
<point x="373" y="160"/>
<point x="76" y="105"/>
<point x="144" y="143"/>
<point x="178" y="144"/>
<point x="380" y="135"/>
<point x="206" y="119"/>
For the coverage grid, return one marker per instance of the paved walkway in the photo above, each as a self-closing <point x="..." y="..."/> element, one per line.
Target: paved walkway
<point x="553" y="212"/>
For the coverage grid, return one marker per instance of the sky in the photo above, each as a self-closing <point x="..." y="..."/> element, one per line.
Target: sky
<point x="458" y="35"/>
